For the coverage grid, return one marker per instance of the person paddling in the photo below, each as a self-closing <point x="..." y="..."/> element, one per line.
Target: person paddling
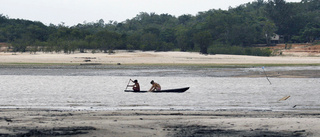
<point x="155" y="86"/>
<point x="136" y="86"/>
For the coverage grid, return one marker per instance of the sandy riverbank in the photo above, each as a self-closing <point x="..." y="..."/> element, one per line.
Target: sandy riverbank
<point x="139" y="57"/>
<point x="26" y="122"/>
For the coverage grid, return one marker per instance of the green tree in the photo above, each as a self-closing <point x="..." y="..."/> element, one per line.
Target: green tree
<point x="203" y="40"/>
<point x="149" y="41"/>
<point x="268" y="29"/>
<point x="107" y="40"/>
<point x="183" y="39"/>
<point x="311" y="32"/>
<point x="283" y="15"/>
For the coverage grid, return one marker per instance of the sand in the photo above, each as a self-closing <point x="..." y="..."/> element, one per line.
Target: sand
<point x="138" y="57"/>
<point x="49" y="122"/>
<point x="137" y="123"/>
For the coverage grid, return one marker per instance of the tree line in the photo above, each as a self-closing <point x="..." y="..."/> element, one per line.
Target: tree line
<point x="234" y="31"/>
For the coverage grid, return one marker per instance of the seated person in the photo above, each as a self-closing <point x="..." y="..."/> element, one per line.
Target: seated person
<point x="155" y="86"/>
<point x="136" y="86"/>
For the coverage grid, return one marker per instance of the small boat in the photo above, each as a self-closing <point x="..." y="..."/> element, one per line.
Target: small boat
<point x="178" y="90"/>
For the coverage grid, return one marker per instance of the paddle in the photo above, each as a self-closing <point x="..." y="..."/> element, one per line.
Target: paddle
<point x="266" y="75"/>
<point x="128" y="84"/>
<point x="284" y="98"/>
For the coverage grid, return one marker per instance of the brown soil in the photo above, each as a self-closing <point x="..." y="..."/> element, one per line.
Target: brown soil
<point x="3" y="47"/>
<point x="296" y="49"/>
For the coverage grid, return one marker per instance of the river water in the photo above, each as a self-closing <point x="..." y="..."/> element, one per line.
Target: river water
<point x="101" y="88"/>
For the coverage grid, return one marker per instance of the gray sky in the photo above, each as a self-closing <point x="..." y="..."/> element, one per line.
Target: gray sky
<point x="72" y="12"/>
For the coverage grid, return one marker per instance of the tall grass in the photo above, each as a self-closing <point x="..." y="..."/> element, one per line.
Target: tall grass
<point x="238" y="50"/>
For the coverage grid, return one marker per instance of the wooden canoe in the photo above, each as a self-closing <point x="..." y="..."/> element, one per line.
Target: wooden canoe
<point x="177" y="90"/>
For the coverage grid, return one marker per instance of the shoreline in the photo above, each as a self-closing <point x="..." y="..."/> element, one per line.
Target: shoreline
<point x="251" y="71"/>
<point x="46" y="122"/>
<point x="154" y="58"/>
<point x="9" y="64"/>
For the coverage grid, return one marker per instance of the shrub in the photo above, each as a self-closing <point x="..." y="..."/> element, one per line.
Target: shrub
<point x="238" y="50"/>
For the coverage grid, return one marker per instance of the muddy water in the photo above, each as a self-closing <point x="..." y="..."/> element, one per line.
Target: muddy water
<point x="101" y="88"/>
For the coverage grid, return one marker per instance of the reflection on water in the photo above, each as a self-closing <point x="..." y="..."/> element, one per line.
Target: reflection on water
<point x="102" y="89"/>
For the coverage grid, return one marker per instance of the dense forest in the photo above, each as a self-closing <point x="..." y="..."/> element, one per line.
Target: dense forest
<point x="238" y="30"/>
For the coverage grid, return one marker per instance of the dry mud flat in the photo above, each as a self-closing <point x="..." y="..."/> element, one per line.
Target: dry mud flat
<point x="166" y="70"/>
<point x="152" y="59"/>
<point x="35" y="122"/>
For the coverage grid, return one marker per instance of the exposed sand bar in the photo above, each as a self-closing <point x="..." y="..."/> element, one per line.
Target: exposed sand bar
<point x="34" y="122"/>
<point x="152" y="58"/>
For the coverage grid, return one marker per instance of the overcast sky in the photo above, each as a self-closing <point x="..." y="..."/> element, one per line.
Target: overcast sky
<point x="72" y="12"/>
